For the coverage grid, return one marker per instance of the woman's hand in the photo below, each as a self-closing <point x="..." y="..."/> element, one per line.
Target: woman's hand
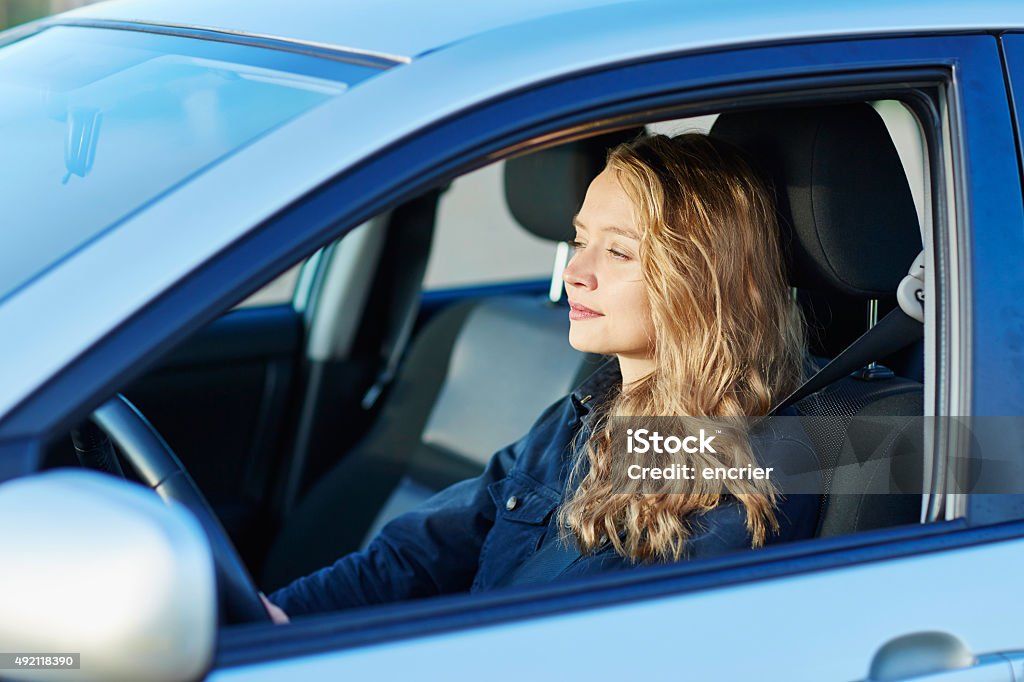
<point x="277" y="614"/>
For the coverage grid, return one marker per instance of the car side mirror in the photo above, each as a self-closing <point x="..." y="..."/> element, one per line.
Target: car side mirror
<point x="103" y="568"/>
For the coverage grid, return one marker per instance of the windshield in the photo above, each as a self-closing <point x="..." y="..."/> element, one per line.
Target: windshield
<point x="96" y="123"/>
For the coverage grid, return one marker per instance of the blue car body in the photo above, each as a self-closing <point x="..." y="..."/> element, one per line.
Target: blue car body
<point x="412" y="95"/>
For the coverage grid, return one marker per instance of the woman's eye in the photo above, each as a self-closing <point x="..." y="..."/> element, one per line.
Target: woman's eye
<point x="618" y="254"/>
<point x="576" y="244"/>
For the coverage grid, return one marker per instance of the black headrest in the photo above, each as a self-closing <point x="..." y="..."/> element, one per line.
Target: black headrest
<point x="545" y="189"/>
<point x="845" y="207"/>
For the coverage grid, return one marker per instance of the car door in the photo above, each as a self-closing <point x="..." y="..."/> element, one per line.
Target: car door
<point x="824" y="609"/>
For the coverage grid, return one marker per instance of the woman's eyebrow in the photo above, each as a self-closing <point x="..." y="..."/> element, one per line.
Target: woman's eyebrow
<point x="625" y="233"/>
<point x="617" y="230"/>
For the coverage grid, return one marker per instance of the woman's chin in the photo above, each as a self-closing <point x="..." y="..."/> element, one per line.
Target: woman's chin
<point x="584" y="345"/>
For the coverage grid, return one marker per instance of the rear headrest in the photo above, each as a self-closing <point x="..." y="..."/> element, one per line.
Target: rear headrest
<point x="845" y="206"/>
<point x="545" y="189"/>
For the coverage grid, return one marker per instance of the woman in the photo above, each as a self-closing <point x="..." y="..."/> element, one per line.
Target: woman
<point x="678" y="275"/>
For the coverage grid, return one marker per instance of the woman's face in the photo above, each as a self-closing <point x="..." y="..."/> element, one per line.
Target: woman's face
<point x="610" y="311"/>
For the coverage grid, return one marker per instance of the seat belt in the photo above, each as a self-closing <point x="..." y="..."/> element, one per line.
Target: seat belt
<point x="398" y="339"/>
<point x="408" y="242"/>
<point x="894" y="332"/>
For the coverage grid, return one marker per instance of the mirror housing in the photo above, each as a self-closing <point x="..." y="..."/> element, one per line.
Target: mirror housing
<point x="103" y="568"/>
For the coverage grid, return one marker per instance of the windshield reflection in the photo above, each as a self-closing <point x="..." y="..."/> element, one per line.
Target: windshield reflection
<point x="97" y="123"/>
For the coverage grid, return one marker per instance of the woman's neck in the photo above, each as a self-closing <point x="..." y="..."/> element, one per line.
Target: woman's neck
<point x="633" y="370"/>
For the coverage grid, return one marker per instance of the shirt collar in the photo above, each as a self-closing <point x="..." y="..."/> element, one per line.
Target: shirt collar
<point x="606" y="377"/>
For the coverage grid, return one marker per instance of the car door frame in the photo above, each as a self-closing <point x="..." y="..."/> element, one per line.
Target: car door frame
<point x="985" y="193"/>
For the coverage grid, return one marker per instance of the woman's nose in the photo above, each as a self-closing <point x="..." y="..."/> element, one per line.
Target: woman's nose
<point x="579" y="271"/>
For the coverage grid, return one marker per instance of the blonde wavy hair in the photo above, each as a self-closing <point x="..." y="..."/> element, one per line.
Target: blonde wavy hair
<point x="729" y="342"/>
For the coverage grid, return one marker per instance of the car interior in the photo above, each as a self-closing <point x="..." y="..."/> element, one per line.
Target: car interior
<point x="310" y="422"/>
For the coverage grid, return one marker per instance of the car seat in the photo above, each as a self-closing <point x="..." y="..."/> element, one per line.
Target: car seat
<point x="851" y="231"/>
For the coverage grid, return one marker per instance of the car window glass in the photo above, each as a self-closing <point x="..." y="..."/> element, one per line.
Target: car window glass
<point x="103" y="121"/>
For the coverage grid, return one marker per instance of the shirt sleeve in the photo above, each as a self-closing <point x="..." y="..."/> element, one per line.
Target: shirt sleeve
<point x="433" y="549"/>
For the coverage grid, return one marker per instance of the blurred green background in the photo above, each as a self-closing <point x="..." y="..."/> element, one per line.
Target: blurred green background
<point x="14" y="12"/>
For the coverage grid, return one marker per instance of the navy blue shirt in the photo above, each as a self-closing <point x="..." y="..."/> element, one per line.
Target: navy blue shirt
<point x="500" y="528"/>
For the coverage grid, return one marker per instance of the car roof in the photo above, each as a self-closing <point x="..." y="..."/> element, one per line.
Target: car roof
<point x="405" y="29"/>
<point x="401" y="29"/>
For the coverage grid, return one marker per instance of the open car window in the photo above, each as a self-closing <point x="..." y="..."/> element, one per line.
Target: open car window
<point x="450" y="433"/>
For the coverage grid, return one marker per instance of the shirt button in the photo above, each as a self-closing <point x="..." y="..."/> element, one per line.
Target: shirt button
<point x="511" y="503"/>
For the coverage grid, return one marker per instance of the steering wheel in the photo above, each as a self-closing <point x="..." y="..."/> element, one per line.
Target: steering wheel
<point x="158" y="466"/>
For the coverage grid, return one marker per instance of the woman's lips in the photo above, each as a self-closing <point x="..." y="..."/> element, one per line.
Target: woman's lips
<point x="579" y="312"/>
